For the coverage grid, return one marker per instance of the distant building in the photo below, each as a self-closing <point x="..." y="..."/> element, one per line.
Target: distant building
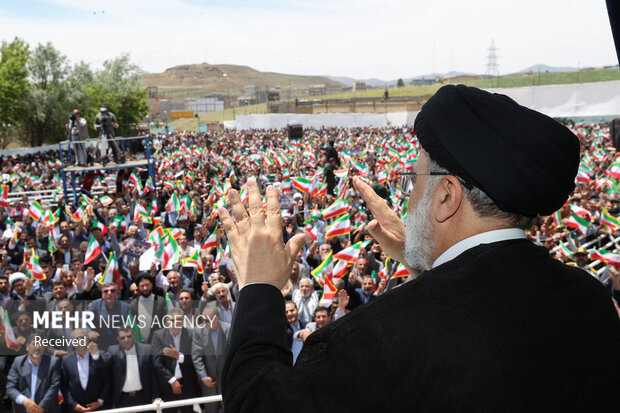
<point x="203" y="105"/>
<point x="359" y="86"/>
<point x="166" y="107"/>
<point x="423" y="81"/>
<point x="273" y="95"/>
<point x="316" y="90"/>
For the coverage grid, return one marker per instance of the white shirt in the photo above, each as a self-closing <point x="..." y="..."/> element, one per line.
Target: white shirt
<point x="132" y="373"/>
<point x="177" y="369"/>
<point x="83" y="366"/>
<point x="478" y="239"/>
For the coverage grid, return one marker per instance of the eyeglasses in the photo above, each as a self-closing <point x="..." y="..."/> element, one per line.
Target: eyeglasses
<point x="407" y="179"/>
<point x="123" y="338"/>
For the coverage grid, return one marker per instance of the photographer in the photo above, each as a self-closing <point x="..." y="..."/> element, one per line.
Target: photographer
<point x="105" y="123"/>
<point x="78" y="131"/>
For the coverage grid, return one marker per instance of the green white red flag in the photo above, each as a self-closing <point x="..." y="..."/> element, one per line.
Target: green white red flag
<point x="335" y="209"/>
<point x="581" y="224"/>
<point x="341" y="226"/>
<point x="92" y="251"/>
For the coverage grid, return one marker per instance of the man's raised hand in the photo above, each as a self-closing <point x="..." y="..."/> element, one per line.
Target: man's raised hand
<point x="258" y="251"/>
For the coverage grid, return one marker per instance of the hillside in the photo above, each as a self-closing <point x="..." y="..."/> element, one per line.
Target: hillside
<point x="202" y="79"/>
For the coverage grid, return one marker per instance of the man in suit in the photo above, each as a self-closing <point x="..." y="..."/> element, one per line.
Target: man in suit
<point x="209" y="347"/>
<point x="293" y="327"/>
<point x="322" y="316"/>
<point x="134" y="381"/>
<point x="223" y="302"/>
<point x="105" y="310"/>
<point x="34" y="379"/>
<point x="484" y="328"/>
<point x="172" y="362"/>
<point x="85" y="382"/>
<point x="148" y="306"/>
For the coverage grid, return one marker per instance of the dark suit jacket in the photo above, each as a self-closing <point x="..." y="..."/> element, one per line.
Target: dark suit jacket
<point x="48" y="383"/>
<point x="107" y="335"/>
<point x="116" y="361"/>
<point x="289" y="333"/>
<point x="208" y="361"/>
<point x="502" y="327"/>
<point x="165" y="366"/>
<point x="98" y="386"/>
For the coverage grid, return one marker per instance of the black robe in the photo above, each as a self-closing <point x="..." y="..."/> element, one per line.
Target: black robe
<point x="502" y="327"/>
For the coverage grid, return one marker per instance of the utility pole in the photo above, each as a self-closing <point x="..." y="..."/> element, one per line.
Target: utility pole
<point x="492" y="66"/>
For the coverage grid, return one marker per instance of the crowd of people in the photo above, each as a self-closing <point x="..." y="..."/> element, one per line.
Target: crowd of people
<point x="152" y="253"/>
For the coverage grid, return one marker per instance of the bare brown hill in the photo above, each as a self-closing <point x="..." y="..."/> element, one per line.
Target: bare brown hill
<point x="202" y="79"/>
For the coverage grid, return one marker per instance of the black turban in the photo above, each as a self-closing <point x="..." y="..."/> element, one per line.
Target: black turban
<point x="523" y="160"/>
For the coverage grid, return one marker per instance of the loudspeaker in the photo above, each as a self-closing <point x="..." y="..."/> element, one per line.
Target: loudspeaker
<point x="295" y="131"/>
<point x="614" y="133"/>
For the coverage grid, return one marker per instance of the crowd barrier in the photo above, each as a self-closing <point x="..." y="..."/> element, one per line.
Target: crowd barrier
<point x="160" y="405"/>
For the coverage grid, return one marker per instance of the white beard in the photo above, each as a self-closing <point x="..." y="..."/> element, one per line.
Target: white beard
<point x="418" y="243"/>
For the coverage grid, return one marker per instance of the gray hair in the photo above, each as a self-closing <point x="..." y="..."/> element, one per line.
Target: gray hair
<point x="482" y="204"/>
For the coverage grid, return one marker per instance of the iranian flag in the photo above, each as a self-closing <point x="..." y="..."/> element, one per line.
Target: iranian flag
<point x="341" y="226"/>
<point x="317" y="271"/>
<point x="120" y="223"/>
<point x="608" y="257"/>
<point x="582" y="212"/>
<point x="35" y="268"/>
<point x="7" y="330"/>
<point x="148" y="185"/>
<point x="609" y="220"/>
<point x="170" y="253"/>
<point x="100" y="225"/>
<point x="173" y="203"/>
<point x="566" y="251"/>
<point x="557" y="219"/>
<point x="329" y="293"/>
<point x="315" y="214"/>
<point x="363" y="169"/>
<point x="351" y="253"/>
<point x="112" y="272"/>
<point x="302" y="184"/>
<point x="105" y="200"/>
<point x="335" y="209"/>
<point x="92" y="251"/>
<point x="36" y="211"/>
<point x="313" y="231"/>
<point x="169" y="303"/>
<point x="575" y="221"/>
<point x="401" y="272"/>
<point x="211" y="242"/>
<point x="341" y="173"/>
<point x="4" y="196"/>
<point x="321" y="189"/>
<point x="340" y="269"/>
<point x="194" y="261"/>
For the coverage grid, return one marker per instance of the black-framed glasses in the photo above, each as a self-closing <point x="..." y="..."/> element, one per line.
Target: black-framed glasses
<point x="407" y="179"/>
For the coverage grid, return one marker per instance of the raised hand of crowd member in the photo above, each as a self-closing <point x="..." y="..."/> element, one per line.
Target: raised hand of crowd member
<point x="614" y="276"/>
<point x="381" y="286"/>
<point x="79" y="278"/>
<point x="205" y="290"/>
<point x="257" y="239"/>
<point x="304" y="334"/>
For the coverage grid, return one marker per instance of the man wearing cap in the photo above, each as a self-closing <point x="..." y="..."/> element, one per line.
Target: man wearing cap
<point x="484" y="327"/>
<point x="105" y="123"/>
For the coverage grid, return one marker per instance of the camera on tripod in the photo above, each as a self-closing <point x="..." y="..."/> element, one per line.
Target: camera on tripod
<point x="72" y="118"/>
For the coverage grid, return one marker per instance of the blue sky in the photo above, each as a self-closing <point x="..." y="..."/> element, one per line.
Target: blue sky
<point x="386" y="39"/>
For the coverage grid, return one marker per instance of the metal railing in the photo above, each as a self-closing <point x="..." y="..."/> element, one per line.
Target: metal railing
<point x="159" y="405"/>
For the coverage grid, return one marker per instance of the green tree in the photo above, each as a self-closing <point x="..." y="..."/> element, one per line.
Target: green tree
<point x="46" y="104"/>
<point x="118" y="85"/>
<point x="400" y="83"/>
<point x="13" y="87"/>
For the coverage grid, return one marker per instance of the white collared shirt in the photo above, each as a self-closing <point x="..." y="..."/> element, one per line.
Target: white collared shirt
<point x="83" y="369"/>
<point x="132" y="371"/>
<point x="478" y="239"/>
